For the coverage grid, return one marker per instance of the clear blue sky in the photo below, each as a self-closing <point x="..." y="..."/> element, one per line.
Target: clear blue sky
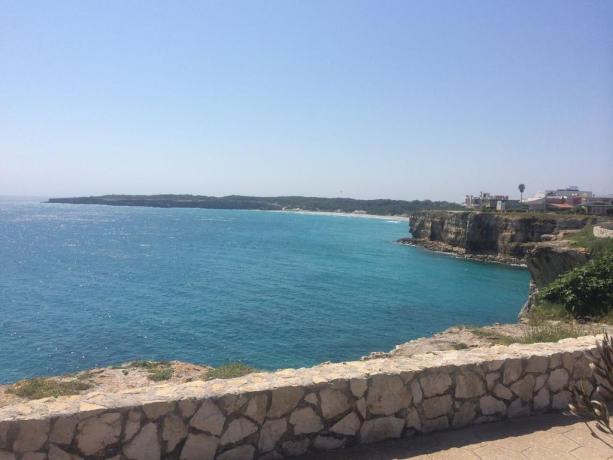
<point x="398" y="99"/>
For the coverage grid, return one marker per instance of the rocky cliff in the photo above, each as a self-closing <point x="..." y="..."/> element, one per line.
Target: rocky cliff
<point x="502" y="237"/>
<point x="536" y="241"/>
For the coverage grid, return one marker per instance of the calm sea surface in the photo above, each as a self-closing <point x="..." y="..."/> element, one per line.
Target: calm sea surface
<point x="84" y="286"/>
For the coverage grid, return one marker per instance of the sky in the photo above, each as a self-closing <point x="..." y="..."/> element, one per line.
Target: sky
<point x="365" y="99"/>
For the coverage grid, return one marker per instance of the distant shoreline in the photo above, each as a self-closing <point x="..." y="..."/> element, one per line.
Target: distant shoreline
<point x="346" y="214"/>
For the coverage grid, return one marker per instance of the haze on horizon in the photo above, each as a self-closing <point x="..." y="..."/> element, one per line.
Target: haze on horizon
<point x="404" y="100"/>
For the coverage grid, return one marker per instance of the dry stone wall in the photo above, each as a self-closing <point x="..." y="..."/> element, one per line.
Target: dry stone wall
<point x="295" y="411"/>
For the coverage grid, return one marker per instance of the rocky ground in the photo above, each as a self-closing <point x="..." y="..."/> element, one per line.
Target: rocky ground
<point x="465" y="337"/>
<point x="444" y="248"/>
<point x="140" y="374"/>
<point x="111" y="379"/>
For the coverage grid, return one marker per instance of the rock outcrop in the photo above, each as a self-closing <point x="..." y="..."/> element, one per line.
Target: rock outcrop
<point x="535" y="241"/>
<point x="486" y="235"/>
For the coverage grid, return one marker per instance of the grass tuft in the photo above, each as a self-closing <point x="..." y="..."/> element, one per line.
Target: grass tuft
<point x="553" y="331"/>
<point x="41" y="387"/>
<point x="229" y="371"/>
<point x="156" y="370"/>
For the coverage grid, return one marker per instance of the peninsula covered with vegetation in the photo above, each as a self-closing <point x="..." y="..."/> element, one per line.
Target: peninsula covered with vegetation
<point x="349" y="205"/>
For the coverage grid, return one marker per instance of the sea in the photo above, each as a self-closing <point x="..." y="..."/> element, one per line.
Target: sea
<point x="83" y="286"/>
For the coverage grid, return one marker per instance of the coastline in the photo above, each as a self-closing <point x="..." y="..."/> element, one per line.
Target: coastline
<point x="345" y="214"/>
<point x="453" y="251"/>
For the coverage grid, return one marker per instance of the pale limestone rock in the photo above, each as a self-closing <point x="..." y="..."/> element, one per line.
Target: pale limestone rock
<point x="199" y="447"/>
<point x="361" y="407"/>
<point x="245" y="452"/>
<point x="558" y="379"/>
<point x="416" y="392"/>
<point x="387" y="394"/>
<point x="187" y="407"/>
<point x="512" y="371"/>
<point x="34" y="456"/>
<point x="518" y="409"/>
<point x="4" y="430"/>
<point x="561" y="400"/>
<point x="413" y="420"/>
<point x="465" y="414"/>
<point x="582" y="369"/>
<point x="208" y="418"/>
<point x="378" y="429"/>
<point x="133" y="424"/>
<point x="274" y="455"/>
<point x="305" y="420"/>
<point x="541" y="400"/>
<point x="230" y="404"/>
<point x="295" y="448"/>
<point x="55" y="453"/>
<point x="63" y="430"/>
<point x="145" y="445"/>
<point x="437" y="424"/>
<point x="568" y="361"/>
<point x="491" y="379"/>
<point x="537" y="364"/>
<point x="493" y="366"/>
<point x="490" y="406"/>
<point x="435" y="384"/>
<point x="270" y="434"/>
<point x="327" y="443"/>
<point x="333" y="403"/>
<point x="256" y="409"/>
<point x="502" y="392"/>
<point x="97" y="432"/>
<point x="348" y="425"/>
<point x="32" y="435"/>
<point x="540" y="381"/>
<point x="284" y="400"/>
<point x="175" y="430"/>
<point x="358" y="387"/>
<point x="524" y="387"/>
<point x="437" y="406"/>
<point x="555" y="361"/>
<point x="469" y="385"/>
<point x="311" y="398"/>
<point x="238" y="429"/>
<point x="159" y="409"/>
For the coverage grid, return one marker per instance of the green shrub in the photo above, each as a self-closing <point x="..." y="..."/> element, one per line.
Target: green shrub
<point x="41" y="387"/>
<point x="586" y="291"/>
<point x="229" y="371"/>
<point x="156" y="370"/>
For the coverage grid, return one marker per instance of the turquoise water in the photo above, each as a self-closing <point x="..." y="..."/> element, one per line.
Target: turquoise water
<point x="84" y="286"/>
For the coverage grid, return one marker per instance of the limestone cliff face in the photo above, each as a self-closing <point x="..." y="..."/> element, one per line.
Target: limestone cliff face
<point x="503" y="235"/>
<point x="547" y="261"/>
<point x="536" y="241"/>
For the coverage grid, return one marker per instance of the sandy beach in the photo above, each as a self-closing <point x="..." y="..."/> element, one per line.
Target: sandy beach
<point x="348" y="214"/>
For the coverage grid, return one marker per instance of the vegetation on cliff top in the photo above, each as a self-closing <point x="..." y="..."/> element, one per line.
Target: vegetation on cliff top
<point x="585" y="238"/>
<point x="380" y="207"/>
<point x="229" y="371"/>
<point x="586" y="291"/>
<point x="43" y="387"/>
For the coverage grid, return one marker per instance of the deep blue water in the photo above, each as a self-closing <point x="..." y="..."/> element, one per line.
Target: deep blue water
<point x="83" y="286"/>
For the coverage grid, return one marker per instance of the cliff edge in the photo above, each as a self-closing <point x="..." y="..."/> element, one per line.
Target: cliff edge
<point x="536" y="241"/>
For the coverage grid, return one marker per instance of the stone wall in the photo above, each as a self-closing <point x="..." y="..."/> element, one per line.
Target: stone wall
<point x="601" y="231"/>
<point x="294" y="411"/>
